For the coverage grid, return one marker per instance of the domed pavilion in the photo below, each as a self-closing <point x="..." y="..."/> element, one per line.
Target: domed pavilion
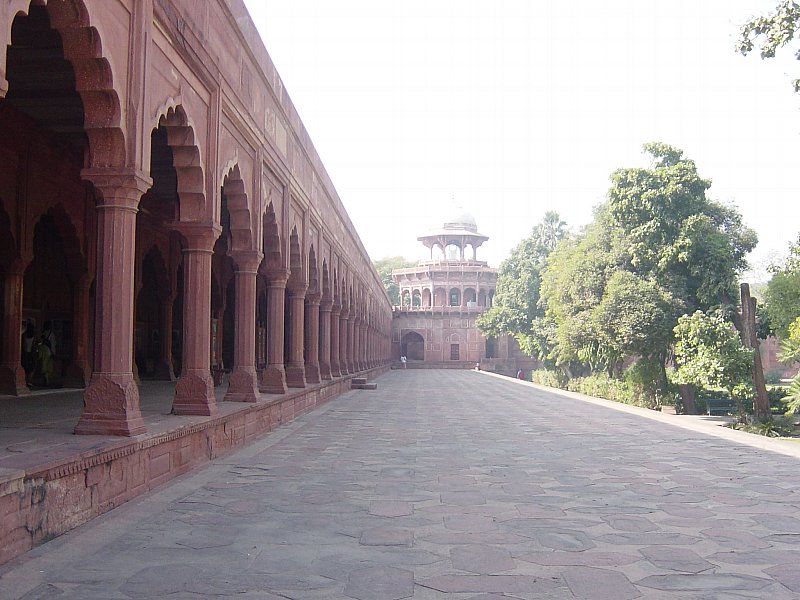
<point x="441" y="297"/>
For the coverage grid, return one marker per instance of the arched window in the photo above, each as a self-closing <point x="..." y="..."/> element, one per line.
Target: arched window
<point x="455" y="297"/>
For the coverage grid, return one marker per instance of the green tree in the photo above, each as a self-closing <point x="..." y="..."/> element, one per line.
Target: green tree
<point x="658" y="248"/>
<point x="774" y="31"/>
<point x="385" y="266"/>
<point x="709" y="354"/>
<point x="782" y="296"/>
<point x="516" y="301"/>
<point x="790" y="352"/>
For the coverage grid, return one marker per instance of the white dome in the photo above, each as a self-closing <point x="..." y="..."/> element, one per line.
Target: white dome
<point x="464" y="220"/>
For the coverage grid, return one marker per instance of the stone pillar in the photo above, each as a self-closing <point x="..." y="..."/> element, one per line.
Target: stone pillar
<point x="12" y="375"/>
<point x="295" y="365"/>
<point x="351" y="356"/>
<point x="273" y="379"/>
<point x="325" y="340"/>
<point x="243" y="384"/>
<point x="79" y="371"/>
<point x="194" y="393"/>
<point x="355" y="359"/>
<point x="311" y="337"/>
<point x="344" y="359"/>
<point x="111" y="401"/>
<point x="336" y="368"/>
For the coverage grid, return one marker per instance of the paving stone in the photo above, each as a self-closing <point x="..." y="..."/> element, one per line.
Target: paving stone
<point x="630" y="523"/>
<point x="390" y="508"/>
<point x="589" y="558"/>
<point x="648" y="539"/>
<point x="675" y="559"/>
<point x="736" y="540"/>
<point x="463" y="498"/>
<point x="470" y="523"/>
<point x="161" y="580"/>
<point x="559" y="538"/>
<point x="599" y="584"/>
<point x="387" y="536"/>
<point x="484" y="560"/>
<point x="704" y="582"/>
<point x="380" y="582"/>
<point x="501" y="584"/>
<point x="788" y="575"/>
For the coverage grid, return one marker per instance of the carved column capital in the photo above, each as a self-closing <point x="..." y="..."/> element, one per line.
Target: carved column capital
<point x="247" y="261"/>
<point x="122" y="188"/>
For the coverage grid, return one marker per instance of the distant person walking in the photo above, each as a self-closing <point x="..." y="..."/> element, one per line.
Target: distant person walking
<point x="403" y="361"/>
<point x="520" y="374"/>
<point x="29" y="351"/>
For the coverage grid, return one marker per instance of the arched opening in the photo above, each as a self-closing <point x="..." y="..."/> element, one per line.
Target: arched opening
<point x="491" y="347"/>
<point x="470" y="298"/>
<point x="440" y="297"/>
<point x="469" y="252"/>
<point x="405" y="298"/>
<point x="416" y="298"/>
<point x="482" y="298"/>
<point x="426" y="298"/>
<point x="453" y="251"/>
<point x="48" y="303"/>
<point x="150" y="333"/>
<point x="270" y="265"/>
<point x="437" y="252"/>
<point x="223" y="297"/>
<point x="412" y="346"/>
<point x="47" y="135"/>
<point x="455" y="297"/>
<point x="490" y="298"/>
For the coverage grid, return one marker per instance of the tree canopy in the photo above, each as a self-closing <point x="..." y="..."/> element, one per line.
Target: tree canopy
<point x="774" y="31"/>
<point x="516" y="301"/>
<point x="782" y="296"/>
<point x="658" y="248"/>
<point x="385" y="266"/>
<point x="709" y="352"/>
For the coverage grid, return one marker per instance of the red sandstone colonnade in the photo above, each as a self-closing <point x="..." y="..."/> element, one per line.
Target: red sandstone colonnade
<point x="164" y="213"/>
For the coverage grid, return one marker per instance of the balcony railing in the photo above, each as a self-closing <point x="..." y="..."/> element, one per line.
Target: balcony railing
<point x="470" y="308"/>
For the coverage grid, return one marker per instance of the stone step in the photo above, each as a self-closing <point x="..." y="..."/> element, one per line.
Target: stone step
<point x="358" y="380"/>
<point x="364" y="386"/>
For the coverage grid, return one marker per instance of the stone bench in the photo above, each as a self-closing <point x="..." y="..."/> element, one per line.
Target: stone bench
<point x="720" y="406"/>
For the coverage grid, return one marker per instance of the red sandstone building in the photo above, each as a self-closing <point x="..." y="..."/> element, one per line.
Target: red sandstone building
<point x="163" y="209"/>
<point x="440" y="298"/>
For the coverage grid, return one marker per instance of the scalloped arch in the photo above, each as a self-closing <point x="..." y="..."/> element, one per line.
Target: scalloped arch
<point x="186" y="159"/>
<point x="241" y="218"/>
<point x="94" y="77"/>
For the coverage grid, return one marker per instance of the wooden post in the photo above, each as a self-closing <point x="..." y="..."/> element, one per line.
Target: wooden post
<point x="750" y="340"/>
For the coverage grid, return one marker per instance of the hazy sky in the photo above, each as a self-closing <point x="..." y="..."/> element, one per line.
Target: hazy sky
<point x="512" y="108"/>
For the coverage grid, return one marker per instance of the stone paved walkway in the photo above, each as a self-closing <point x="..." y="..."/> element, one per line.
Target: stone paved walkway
<point x="448" y="484"/>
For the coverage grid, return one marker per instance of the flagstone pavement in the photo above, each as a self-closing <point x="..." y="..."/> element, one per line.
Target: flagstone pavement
<point x="449" y="484"/>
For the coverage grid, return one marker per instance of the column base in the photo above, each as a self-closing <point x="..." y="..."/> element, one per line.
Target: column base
<point x="12" y="380"/>
<point x="273" y="380"/>
<point x="313" y="373"/>
<point x="336" y="370"/>
<point x="111" y="406"/>
<point x="242" y="386"/>
<point x="325" y="372"/>
<point x="296" y="376"/>
<point x="194" y="394"/>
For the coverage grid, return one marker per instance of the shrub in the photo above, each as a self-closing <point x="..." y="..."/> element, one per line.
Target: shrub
<point x="603" y="386"/>
<point x="555" y="379"/>
<point x="773" y="377"/>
